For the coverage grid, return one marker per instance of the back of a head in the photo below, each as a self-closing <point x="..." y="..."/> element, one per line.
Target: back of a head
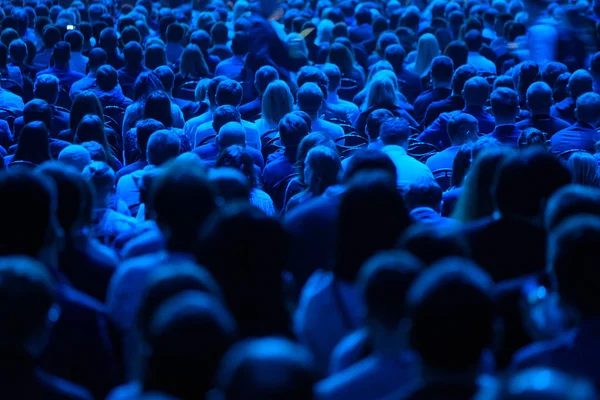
<point x="61" y="53"/>
<point x="145" y="84"/>
<point x="475" y="91"/>
<point x="384" y="281"/>
<point x="229" y="92"/>
<point x="372" y="215"/>
<point x="588" y="108"/>
<point x="573" y="246"/>
<point x="569" y="201"/>
<point x="108" y="40"/>
<point x="395" y="54"/>
<point x="292" y="129"/>
<point x="158" y="106"/>
<point x="97" y="57"/>
<point x="33" y="143"/>
<point x="230" y="185"/>
<point x="166" y="76"/>
<point x="145" y="128"/>
<point x="539" y="98"/>
<point x="504" y="81"/>
<point x="101" y="176"/>
<point x="310" y="98"/>
<point x="46" y="88"/>
<point x="431" y="245"/>
<point x="231" y="133"/>
<point x="175" y="33"/>
<point x="369" y="161"/>
<point x="584" y="169"/>
<point x="333" y="75"/>
<point x="107" y="78"/>
<point x="474" y="40"/>
<point x="27" y="294"/>
<point x="247" y="371"/>
<point x="277" y="101"/>
<point x="75" y="156"/>
<point x="551" y="71"/>
<point x="442" y="69"/>
<point x="528" y="74"/>
<point x="580" y="82"/>
<point x="314" y="75"/>
<point x="458" y="52"/>
<point x="37" y="110"/>
<point x="75" y="40"/>
<point x="462" y="128"/>
<point x="452" y="315"/>
<point x="163" y="145"/>
<point x="461" y="75"/>
<point x="525" y="182"/>
<point x="90" y="128"/>
<point x="191" y="328"/>
<point x="224" y="115"/>
<point x="394" y="131"/>
<point x="374" y="122"/>
<point x="181" y="200"/>
<point x="532" y="137"/>
<point x="505" y="103"/>
<point x="18" y="50"/>
<point x="240" y="44"/>
<point x="424" y="193"/>
<point x="133" y="54"/>
<point x="265" y="75"/>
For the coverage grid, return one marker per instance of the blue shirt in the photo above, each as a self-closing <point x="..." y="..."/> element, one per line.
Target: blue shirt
<point x="437" y="133"/>
<point x="580" y="136"/>
<point x="83" y="84"/>
<point x="66" y="77"/>
<point x="507" y="134"/>
<point x="231" y="68"/>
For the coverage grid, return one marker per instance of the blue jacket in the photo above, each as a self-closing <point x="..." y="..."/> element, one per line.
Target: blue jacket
<point x="580" y="136"/>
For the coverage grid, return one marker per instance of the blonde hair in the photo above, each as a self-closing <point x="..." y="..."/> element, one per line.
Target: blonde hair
<point x="382" y="90"/>
<point x="324" y="32"/>
<point x="427" y="49"/>
<point x="584" y="169"/>
<point x="277" y="101"/>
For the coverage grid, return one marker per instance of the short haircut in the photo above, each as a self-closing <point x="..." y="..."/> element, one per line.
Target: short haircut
<point x="163" y="145"/>
<point x="525" y="182"/>
<point x="46" y="87"/>
<point x="265" y="75"/>
<point x="573" y="248"/>
<point x="219" y="33"/>
<point x="474" y="40"/>
<point x="452" y="314"/>
<point x="504" y="81"/>
<point x="459" y="53"/>
<point x="551" y="71"/>
<point x="374" y="122"/>
<point x="107" y="78"/>
<point x="97" y="57"/>
<point x="539" y="97"/>
<point x="133" y="54"/>
<point x="61" y="52"/>
<point x="334" y="76"/>
<point x="431" y="245"/>
<point x="314" y="75"/>
<point x="75" y="39"/>
<point x="395" y="54"/>
<point x="175" y="33"/>
<point x="144" y="128"/>
<point x="292" y="129"/>
<point x="475" y="91"/>
<point x="224" y="115"/>
<point x="424" y="193"/>
<point x="580" y="82"/>
<point x="461" y="75"/>
<point x="38" y="110"/>
<point x="166" y="76"/>
<point x="462" y="126"/>
<point x="505" y="102"/>
<point x="588" y="108"/>
<point x="363" y="16"/>
<point x="240" y="44"/>
<point x="230" y="134"/>
<point x="442" y="68"/>
<point x="18" y="50"/>
<point x="229" y="92"/>
<point x="310" y="98"/>
<point x="394" y="131"/>
<point x="384" y="281"/>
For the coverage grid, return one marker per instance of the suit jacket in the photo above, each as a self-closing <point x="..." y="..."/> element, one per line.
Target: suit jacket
<point x="580" y="136"/>
<point x="565" y="110"/>
<point x="507" y="248"/>
<point x="449" y="104"/>
<point x="426" y="98"/>
<point x="507" y="134"/>
<point x="545" y="123"/>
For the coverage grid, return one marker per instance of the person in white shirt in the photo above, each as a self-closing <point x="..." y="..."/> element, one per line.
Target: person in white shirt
<point x="310" y="100"/>
<point x="394" y="135"/>
<point x="474" y="41"/>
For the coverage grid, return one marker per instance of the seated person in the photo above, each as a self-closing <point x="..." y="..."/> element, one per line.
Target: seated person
<point x="190" y="109"/>
<point x="61" y="55"/>
<point x="232" y="67"/>
<point x="97" y="58"/>
<point x="108" y="90"/>
<point x="311" y="100"/>
<point x="580" y="82"/>
<point x="582" y="135"/>
<point x="539" y="103"/>
<point x="462" y="128"/>
<point x="505" y="105"/>
<point x="336" y="108"/>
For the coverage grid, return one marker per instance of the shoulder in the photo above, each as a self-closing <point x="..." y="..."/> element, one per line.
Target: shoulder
<point x="61" y="388"/>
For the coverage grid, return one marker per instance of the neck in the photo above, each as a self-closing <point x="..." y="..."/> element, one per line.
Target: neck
<point x="440" y="85"/>
<point x="537" y="113"/>
<point x="332" y="97"/>
<point x="61" y="65"/>
<point x="505" y="121"/>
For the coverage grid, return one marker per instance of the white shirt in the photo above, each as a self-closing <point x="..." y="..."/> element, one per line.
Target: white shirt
<point x="481" y="63"/>
<point x="408" y="169"/>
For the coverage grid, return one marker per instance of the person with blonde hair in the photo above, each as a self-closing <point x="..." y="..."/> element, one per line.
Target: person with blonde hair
<point x="427" y="49"/>
<point x="324" y="32"/>
<point x="277" y="101"/>
<point x="584" y="169"/>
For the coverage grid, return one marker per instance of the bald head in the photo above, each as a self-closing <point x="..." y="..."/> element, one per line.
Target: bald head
<point x="462" y="127"/>
<point x="476" y="91"/>
<point x="232" y="133"/>
<point x="539" y="98"/>
<point x="580" y="82"/>
<point x="76" y="156"/>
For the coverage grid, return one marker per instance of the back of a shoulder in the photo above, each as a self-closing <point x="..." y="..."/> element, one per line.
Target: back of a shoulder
<point x="55" y="388"/>
<point x="313" y="211"/>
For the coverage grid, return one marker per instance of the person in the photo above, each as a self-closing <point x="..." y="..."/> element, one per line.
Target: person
<point x="277" y="172"/>
<point x="190" y="109"/>
<point x="322" y="168"/>
<point x="264" y="76"/>
<point x="109" y="42"/>
<point x="190" y="328"/>
<point x="220" y="36"/>
<point x="192" y="68"/>
<point x="505" y="106"/>
<point x="394" y="137"/>
<point x="173" y="48"/>
<point x="410" y="82"/>
<point x="89" y="129"/>
<point x="579" y="83"/>
<point x="532" y="137"/>
<point x="155" y="56"/>
<point x="82" y="328"/>
<point x="363" y="30"/>
<point x="96" y="59"/>
<point x="162" y="146"/>
<point x="424" y="202"/>
<point x="523" y="185"/>
<point x="582" y="135"/>
<point x="33" y="145"/>
<point x="475" y="94"/>
<point x="61" y="55"/>
<point x="458" y="52"/>
<point x="569" y="201"/>
<point x="229" y="132"/>
<point x="584" y="169"/>
<point x="455" y="101"/>
<point x="453" y="321"/>
<point x="341" y="56"/>
<point x="232" y="67"/>
<point x="311" y="100"/>
<point x="570" y="259"/>
<point x="474" y="42"/>
<point x="133" y="54"/>
<point x="383" y="281"/>
<point x="330" y="306"/>
<point x="29" y="309"/>
<point x="17" y="51"/>
<point x="78" y="61"/>
<point x="50" y="36"/>
<point x="75" y="156"/>
<point x="108" y="90"/>
<point x="539" y="103"/>
<point x="462" y="128"/>
<point x="10" y="100"/>
<point x="427" y="50"/>
<point x="8" y="71"/>
<point x="442" y="69"/>
<point x="336" y="108"/>
<point x="144" y="129"/>
<point x="243" y="371"/>
<point x="238" y="157"/>
<point x="277" y="101"/>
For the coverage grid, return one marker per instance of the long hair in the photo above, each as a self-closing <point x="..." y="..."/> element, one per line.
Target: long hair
<point x="91" y="129"/>
<point x="382" y="92"/>
<point x="85" y="103"/>
<point x="158" y="107"/>
<point x="240" y="8"/>
<point x="193" y="64"/>
<point x="155" y="57"/>
<point x="427" y="49"/>
<point x="277" y="101"/>
<point x="476" y="200"/>
<point x="324" y="32"/>
<point x="145" y="84"/>
<point x="325" y="165"/>
<point x="584" y="169"/>
<point x="237" y="157"/>
<point x="342" y="57"/>
<point x="34" y="144"/>
<point x="309" y="142"/>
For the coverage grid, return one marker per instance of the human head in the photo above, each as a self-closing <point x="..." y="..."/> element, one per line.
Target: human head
<point x="475" y="91"/>
<point x="46" y="87"/>
<point x="334" y="76"/>
<point x="229" y="92"/>
<point x="462" y="128"/>
<point x="524" y="183"/>
<point x="102" y="178"/>
<point x="322" y="168"/>
<point x="107" y="78"/>
<point x="424" y="193"/>
<point x="504" y="81"/>
<point x="588" y="108"/>
<point x="461" y="76"/>
<point x="145" y="128"/>
<point x="158" y="106"/>
<point x="382" y="91"/>
<point x="395" y="54"/>
<point x="189" y="328"/>
<point x="505" y="105"/>
<point x="386" y="39"/>
<point x="458" y="52"/>
<point x="163" y="145"/>
<point x="75" y="40"/>
<point x="442" y="69"/>
<point x="292" y="129"/>
<point x="133" y="55"/>
<point x="310" y="98"/>
<point x="97" y="58"/>
<point x="89" y="129"/>
<point x="193" y="64"/>
<point x="155" y="56"/>
<point x="109" y="40"/>
<point x="431" y="245"/>
<point x="50" y="36"/>
<point x="224" y="115"/>
<point x="341" y="56"/>
<point x="263" y="77"/>
<point x="240" y="44"/>
<point x="175" y="33"/>
<point x="474" y="40"/>
<point x="166" y="76"/>
<point x="374" y="122"/>
<point x="569" y="201"/>
<point x="131" y="34"/>
<point x="551" y="71"/>
<point x="75" y="156"/>
<point x="232" y="133"/>
<point x="532" y="137"/>
<point x="427" y="49"/>
<point x="37" y="110"/>
<point x="584" y="169"/>
<point x="394" y="131"/>
<point x="309" y="142"/>
<point x="145" y="84"/>
<point x="539" y="98"/>
<point x="369" y="161"/>
<point x="277" y="101"/>
<point x="452" y="315"/>
<point x="528" y="74"/>
<point x="180" y="201"/>
<point x="84" y="103"/>
<point x="18" y="51"/>
<point x="314" y="75"/>
<point x="580" y="82"/>
<point x="244" y="371"/>
<point x="33" y="144"/>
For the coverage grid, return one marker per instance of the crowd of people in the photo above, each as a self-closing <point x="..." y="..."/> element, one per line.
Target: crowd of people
<point x="293" y="200"/>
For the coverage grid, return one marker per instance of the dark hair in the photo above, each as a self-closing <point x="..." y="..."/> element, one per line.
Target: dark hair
<point x="394" y="130"/>
<point x="97" y="58"/>
<point x="442" y="68"/>
<point x="133" y="54"/>
<point x="34" y="144"/>
<point x="84" y="103"/>
<point x="229" y="92"/>
<point x="461" y="75"/>
<point x="238" y="157"/>
<point x="310" y="98"/>
<point x="38" y="110"/>
<point x="314" y="75"/>
<point x="369" y="161"/>
<point x="240" y="44"/>
<point x="374" y="122"/>
<point x="107" y="78"/>
<point x="424" y="193"/>
<point x="309" y="142"/>
<point x="532" y="137"/>
<point x="219" y="33"/>
<point x="145" y="84"/>
<point x="334" y="76"/>
<point x="144" y="128"/>
<point x="155" y="56"/>
<point x="131" y="34"/>
<point x="569" y="201"/>
<point x="264" y="76"/>
<point x="193" y="65"/>
<point x="372" y="215"/>
<point x="292" y="129"/>
<point x="551" y="71"/>
<point x="61" y="52"/>
<point x="395" y="54"/>
<point x="158" y="106"/>
<point x="452" y="314"/>
<point x="505" y="102"/>
<point x="474" y="40"/>
<point x="163" y="145"/>
<point x="175" y="33"/>
<point x="363" y="16"/>
<point x="50" y="36"/>
<point x="431" y="245"/>
<point x="458" y="52"/>
<point x="211" y="91"/>
<point x="166" y="76"/>
<point x="223" y="115"/>
<point x="75" y="40"/>
<point x="91" y="129"/>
